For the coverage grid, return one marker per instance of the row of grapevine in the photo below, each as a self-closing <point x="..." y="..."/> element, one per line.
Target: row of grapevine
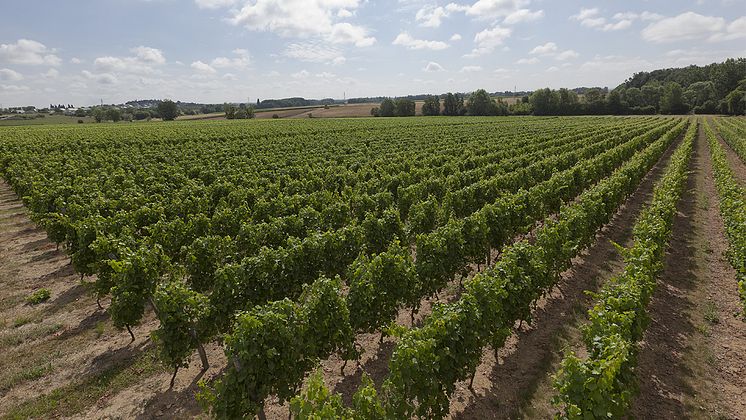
<point x="734" y="135"/>
<point x="381" y="285"/>
<point x="732" y="209"/>
<point x="603" y="384"/>
<point x="409" y="384"/>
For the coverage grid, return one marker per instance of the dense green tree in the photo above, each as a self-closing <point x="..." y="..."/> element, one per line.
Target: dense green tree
<point x="480" y="103"/>
<point x="453" y="105"/>
<point x="114" y="114"/>
<point x="387" y="108"/>
<point x="168" y="110"/>
<point x="672" y="99"/>
<point x="404" y="108"/>
<point x="431" y="107"/>
<point x="544" y="102"/>
<point x="736" y="102"/>
<point x="230" y="111"/>
<point x="632" y="96"/>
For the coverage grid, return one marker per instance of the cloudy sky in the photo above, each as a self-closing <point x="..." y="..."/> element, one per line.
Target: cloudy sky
<point x="83" y="51"/>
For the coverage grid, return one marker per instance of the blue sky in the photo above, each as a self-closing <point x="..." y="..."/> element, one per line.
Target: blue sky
<point x="229" y="50"/>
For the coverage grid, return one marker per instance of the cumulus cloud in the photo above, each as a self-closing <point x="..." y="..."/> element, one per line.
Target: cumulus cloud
<point x="532" y="60"/>
<point x="406" y="40"/>
<point x="431" y="16"/>
<point x="302" y="18"/>
<point x="101" y="78"/>
<point x="487" y="40"/>
<point x="8" y="75"/>
<point x="149" y="55"/>
<point x="693" y="26"/>
<point x="240" y="61"/>
<point x="548" y="48"/>
<point x="28" y="52"/>
<point x="591" y="18"/>
<point x="203" y="68"/>
<point x="456" y="37"/>
<point x="433" y="67"/>
<point x="470" y="69"/>
<point x="523" y="15"/>
<point x="492" y="9"/>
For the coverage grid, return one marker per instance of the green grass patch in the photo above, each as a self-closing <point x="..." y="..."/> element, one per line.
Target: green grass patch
<point x="28" y="374"/>
<point x="39" y="296"/>
<point x="75" y="398"/>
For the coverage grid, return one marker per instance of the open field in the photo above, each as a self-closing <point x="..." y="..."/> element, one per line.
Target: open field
<point x="437" y="267"/>
<point x="45" y="120"/>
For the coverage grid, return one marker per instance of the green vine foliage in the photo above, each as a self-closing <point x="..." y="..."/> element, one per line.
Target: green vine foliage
<point x="604" y="384"/>
<point x="182" y="313"/>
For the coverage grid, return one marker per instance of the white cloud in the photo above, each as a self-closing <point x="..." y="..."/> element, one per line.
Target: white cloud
<point x="470" y="69"/>
<point x="433" y="67"/>
<point x="101" y="78"/>
<point x="149" y="55"/>
<point x="76" y="60"/>
<point x="735" y="30"/>
<point x="532" y="60"/>
<point x="566" y="55"/>
<point x="303" y="18"/>
<point x="203" y="68"/>
<point x="590" y="18"/>
<point x="552" y="69"/>
<point x="431" y="16"/>
<point x="487" y="40"/>
<point x="492" y="9"/>
<point x="240" y="61"/>
<point x="523" y="15"/>
<point x="686" y="26"/>
<point x="406" y="40"/>
<point x="455" y="37"/>
<point x="122" y="65"/>
<point x="315" y="52"/>
<point x="28" y="52"/>
<point x="548" y="48"/>
<point x="8" y="75"/>
<point x="51" y="74"/>
<point x="346" y="33"/>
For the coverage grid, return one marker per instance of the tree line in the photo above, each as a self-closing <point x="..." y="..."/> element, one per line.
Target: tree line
<point x="479" y="103"/>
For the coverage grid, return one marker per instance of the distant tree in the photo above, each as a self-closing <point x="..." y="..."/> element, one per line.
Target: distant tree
<point x="230" y="111"/>
<point x="595" y="101"/>
<point x="251" y="112"/>
<point x="672" y="100"/>
<point x="404" y="108"/>
<point x="651" y="94"/>
<point x="240" y="113"/>
<point x="114" y="114"/>
<point x="374" y="112"/>
<point x="736" y="102"/>
<point x="544" y="102"/>
<point x="453" y="105"/>
<point x="168" y="110"/>
<point x="615" y="104"/>
<point x="98" y="114"/>
<point x="632" y="96"/>
<point x="502" y="107"/>
<point x="480" y="103"/>
<point x="80" y="113"/>
<point x="431" y="107"/>
<point x="142" y="114"/>
<point x="387" y="108"/>
<point x="567" y="102"/>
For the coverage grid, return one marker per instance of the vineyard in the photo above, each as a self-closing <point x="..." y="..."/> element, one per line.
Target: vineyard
<point x="373" y="268"/>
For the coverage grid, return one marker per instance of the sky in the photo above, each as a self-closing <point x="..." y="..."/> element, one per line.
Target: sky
<point x="213" y="51"/>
